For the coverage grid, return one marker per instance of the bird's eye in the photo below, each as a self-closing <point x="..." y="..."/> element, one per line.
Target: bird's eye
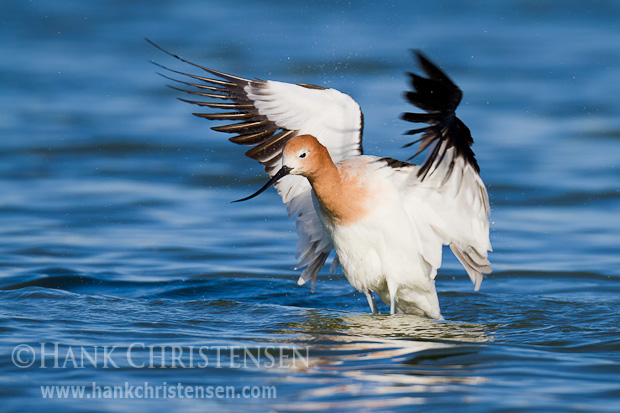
<point x="303" y="155"/>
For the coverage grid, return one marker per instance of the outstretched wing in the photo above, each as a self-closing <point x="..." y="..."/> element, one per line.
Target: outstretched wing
<point x="447" y="189"/>
<point x="267" y="115"/>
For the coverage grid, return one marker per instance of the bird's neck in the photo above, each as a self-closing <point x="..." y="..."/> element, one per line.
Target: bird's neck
<point x="341" y="193"/>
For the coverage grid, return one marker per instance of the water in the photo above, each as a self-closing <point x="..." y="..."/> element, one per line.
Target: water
<point x="117" y="230"/>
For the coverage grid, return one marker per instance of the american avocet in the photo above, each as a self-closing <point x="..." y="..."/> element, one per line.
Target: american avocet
<point x="386" y="219"/>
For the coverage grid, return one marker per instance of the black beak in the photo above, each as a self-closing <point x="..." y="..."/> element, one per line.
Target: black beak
<point x="285" y="170"/>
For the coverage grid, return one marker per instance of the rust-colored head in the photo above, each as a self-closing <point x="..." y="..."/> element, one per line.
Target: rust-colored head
<point x="302" y="155"/>
<point x="342" y="195"/>
<point x="305" y="156"/>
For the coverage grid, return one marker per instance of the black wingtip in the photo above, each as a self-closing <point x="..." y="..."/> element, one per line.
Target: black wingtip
<point x="438" y="97"/>
<point x="152" y="43"/>
<point x="422" y="60"/>
<point x="431" y="69"/>
<point x="419" y="55"/>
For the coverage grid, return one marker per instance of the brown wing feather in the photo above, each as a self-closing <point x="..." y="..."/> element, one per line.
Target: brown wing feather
<point x="267" y="138"/>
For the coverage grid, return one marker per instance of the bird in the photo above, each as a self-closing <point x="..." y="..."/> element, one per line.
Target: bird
<point x="384" y="220"/>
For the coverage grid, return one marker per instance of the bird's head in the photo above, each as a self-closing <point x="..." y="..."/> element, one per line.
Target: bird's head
<point x="302" y="155"/>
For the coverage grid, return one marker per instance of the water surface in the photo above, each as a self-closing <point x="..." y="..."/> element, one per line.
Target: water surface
<point x="117" y="227"/>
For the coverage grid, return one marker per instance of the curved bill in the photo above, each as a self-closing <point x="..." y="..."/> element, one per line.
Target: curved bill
<point x="285" y="170"/>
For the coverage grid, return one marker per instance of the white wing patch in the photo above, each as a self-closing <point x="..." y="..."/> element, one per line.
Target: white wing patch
<point x="333" y="117"/>
<point x="455" y="205"/>
<point x="448" y="206"/>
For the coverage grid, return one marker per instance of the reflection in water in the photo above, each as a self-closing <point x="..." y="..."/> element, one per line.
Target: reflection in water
<point x="384" y="360"/>
<point x="409" y="327"/>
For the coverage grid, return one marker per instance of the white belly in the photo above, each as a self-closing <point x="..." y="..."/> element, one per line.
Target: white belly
<point x="381" y="253"/>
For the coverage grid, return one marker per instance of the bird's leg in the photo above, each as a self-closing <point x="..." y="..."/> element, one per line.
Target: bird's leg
<point x="371" y="302"/>
<point x="393" y="304"/>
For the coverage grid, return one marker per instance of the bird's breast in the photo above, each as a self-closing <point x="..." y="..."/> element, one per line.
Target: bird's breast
<point x="346" y="198"/>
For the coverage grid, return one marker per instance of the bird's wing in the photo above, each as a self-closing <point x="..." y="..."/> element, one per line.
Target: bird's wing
<point x="267" y="114"/>
<point x="446" y="191"/>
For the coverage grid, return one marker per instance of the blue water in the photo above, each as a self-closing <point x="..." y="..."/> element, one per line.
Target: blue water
<point x="116" y="226"/>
